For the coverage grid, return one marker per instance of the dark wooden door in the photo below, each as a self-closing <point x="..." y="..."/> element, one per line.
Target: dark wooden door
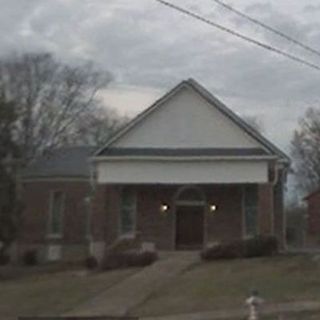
<point x="189" y="227"/>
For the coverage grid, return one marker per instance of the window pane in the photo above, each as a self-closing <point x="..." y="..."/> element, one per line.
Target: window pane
<point x="251" y="196"/>
<point x="128" y="198"/>
<point x="56" y="213"/>
<point x="251" y="221"/>
<point x="127" y="220"/>
<point x="128" y="208"/>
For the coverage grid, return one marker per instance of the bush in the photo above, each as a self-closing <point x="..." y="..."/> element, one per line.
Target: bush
<point x="259" y="246"/>
<point x="4" y="259"/>
<point x="91" y="263"/>
<point x="30" y="258"/>
<point x="124" y="245"/>
<point x="128" y="259"/>
<point x="226" y="250"/>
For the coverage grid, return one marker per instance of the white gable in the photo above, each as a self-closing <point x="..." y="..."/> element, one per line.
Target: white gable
<point x="186" y="120"/>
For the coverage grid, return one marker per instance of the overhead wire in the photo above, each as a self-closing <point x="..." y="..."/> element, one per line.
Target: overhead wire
<point x="239" y="35"/>
<point x="267" y="27"/>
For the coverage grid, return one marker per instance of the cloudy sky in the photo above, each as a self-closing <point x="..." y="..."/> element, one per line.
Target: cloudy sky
<point x="149" y="48"/>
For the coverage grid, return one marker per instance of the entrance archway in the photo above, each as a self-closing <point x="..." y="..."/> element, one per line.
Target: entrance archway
<point x="190" y="205"/>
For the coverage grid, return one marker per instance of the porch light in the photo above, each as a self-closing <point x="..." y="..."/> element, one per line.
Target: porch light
<point x="164" y="207"/>
<point x="213" y="208"/>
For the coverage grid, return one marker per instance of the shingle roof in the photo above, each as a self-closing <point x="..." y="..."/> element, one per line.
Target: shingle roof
<point x="114" y="152"/>
<point x="311" y="195"/>
<point x="62" y="162"/>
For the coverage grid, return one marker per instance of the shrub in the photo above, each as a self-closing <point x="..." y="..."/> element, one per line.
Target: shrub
<point x="227" y="250"/>
<point x="30" y="258"/>
<point x="4" y="259"/>
<point x="91" y="263"/>
<point x="142" y="259"/>
<point x="259" y="246"/>
<point x="124" y="244"/>
<point x="128" y="259"/>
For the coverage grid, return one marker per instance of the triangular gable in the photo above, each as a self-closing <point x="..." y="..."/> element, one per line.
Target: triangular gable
<point x="241" y="134"/>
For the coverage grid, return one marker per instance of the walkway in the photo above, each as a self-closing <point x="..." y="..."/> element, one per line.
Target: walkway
<point x="121" y="298"/>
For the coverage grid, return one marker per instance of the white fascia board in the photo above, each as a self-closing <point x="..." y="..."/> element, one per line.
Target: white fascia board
<point x="182" y="159"/>
<point x="173" y="172"/>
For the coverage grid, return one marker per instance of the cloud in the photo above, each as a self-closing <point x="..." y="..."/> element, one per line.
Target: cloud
<point x="311" y="8"/>
<point x="146" y="44"/>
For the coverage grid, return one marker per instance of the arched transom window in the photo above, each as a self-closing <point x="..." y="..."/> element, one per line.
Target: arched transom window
<point x="190" y="196"/>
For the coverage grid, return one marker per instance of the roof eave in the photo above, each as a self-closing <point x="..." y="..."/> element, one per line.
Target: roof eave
<point x="182" y="158"/>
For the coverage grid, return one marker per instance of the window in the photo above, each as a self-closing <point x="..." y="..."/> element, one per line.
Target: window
<point x="251" y="210"/>
<point x="128" y="211"/>
<point x="56" y="213"/>
<point x="190" y="196"/>
<point x="87" y="212"/>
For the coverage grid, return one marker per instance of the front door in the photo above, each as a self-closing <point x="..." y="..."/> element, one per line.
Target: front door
<point x="189" y="227"/>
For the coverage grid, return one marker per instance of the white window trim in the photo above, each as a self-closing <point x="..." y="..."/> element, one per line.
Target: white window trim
<point x="59" y="235"/>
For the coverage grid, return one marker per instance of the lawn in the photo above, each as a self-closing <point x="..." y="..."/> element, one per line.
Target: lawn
<point x="52" y="293"/>
<point x="294" y="316"/>
<point x="225" y="284"/>
<point x="202" y="287"/>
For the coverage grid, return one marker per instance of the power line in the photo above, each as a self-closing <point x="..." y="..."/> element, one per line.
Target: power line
<point x="269" y="28"/>
<point x="239" y="35"/>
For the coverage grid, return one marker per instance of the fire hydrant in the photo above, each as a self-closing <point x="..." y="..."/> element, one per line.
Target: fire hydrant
<point x="254" y="302"/>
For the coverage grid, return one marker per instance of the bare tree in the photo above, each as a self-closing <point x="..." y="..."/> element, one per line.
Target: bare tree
<point x="96" y="127"/>
<point x="255" y="122"/>
<point x="49" y="97"/>
<point x="305" y="150"/>
<point x="10" y="206"/>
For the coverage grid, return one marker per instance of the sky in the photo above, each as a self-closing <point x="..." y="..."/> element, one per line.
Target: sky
<point x="149" y="48"/>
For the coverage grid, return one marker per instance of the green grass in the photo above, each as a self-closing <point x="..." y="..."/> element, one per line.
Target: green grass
<point x="294" y="316"/>
<point x="225" y="284"/>
<point x="203" y="287"/>
<point x="54" y="293"/>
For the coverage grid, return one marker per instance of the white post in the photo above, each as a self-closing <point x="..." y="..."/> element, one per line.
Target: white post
<point x="254" y="302"/>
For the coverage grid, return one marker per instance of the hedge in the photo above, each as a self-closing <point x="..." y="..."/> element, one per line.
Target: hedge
<point x="258" y="246"/>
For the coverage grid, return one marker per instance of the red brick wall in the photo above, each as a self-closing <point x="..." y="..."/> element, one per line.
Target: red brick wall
<point x="227" y="221"/>
<point x="36" y="198"/>
<point x="105" y="213"/>
<point x="313" y="226"/>
<point x="153" y="225"/>
<point x="98" y="213"/>
<point x="113" y="213"/>
<point x="279" y="214"/>
<point x="157" y="227"/>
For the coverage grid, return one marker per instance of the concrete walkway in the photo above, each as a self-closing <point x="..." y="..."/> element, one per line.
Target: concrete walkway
<point x="121" y="298"/>
<point x="242" y="313"/>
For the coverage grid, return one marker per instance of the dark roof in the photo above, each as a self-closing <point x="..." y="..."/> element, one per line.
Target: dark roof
<point x="62" y="162"/>
<point x="114" y="152"/>
<point x="311" y="195"/>
<point x="272" y="149"/>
